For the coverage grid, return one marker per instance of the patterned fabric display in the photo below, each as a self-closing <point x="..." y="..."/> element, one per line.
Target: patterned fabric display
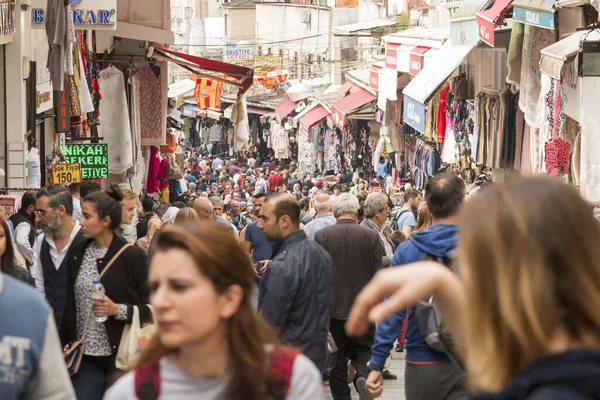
<point x="558" y="157"/>
<point x="151" y="99"/>
<point x="208" y="93"/>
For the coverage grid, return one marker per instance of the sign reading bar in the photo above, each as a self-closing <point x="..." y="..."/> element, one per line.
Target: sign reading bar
<point x="86" y="14"/>
<point x="65" y="174"/>
<point x="92" y="157"/>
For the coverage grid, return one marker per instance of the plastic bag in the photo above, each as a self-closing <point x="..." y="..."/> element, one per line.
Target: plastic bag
<point x="135" y="337"/>
<point x="331" y="354"/>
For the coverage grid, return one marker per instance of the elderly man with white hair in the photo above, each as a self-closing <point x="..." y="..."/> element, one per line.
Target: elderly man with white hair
<point x="376" y="213"/>
<point x="323" y="218"/>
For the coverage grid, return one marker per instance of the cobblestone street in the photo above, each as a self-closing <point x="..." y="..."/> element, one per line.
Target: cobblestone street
<point x="392" y="390"/>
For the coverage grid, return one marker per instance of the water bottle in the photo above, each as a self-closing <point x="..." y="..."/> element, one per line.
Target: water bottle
<point x="98" y="293"/>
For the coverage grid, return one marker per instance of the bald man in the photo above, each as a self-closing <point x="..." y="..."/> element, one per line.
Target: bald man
<point x="323" y="218"/>
<point x="204" y="208"/>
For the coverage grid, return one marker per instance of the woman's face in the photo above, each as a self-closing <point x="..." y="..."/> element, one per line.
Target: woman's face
<point x="187" y="308"/>
<point x="3" y="239"/>
<point x="91" y="224"/>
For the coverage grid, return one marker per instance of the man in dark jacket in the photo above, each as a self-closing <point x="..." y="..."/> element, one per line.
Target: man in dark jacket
<point x="429" y="374"/>
<point x="295" y="292"/>
<point x="357" y="253"/>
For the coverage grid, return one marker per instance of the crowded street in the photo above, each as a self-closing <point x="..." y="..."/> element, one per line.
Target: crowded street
<point x="299" y="200"/>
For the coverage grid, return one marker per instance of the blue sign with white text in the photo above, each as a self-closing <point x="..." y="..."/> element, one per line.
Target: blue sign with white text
<point x="414" y="114"/>
<point x="542" y="19"/>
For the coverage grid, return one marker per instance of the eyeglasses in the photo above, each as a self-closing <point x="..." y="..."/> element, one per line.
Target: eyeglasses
<point x="43" y="212"/>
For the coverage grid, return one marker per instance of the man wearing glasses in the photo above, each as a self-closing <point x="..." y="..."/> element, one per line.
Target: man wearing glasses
<point x="55" y="212"/>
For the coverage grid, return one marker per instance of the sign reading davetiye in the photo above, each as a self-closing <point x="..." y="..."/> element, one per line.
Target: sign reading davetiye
<point x="87" y="14"/>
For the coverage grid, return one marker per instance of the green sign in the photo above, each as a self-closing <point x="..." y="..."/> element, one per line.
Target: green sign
<point x="92" y="157"/>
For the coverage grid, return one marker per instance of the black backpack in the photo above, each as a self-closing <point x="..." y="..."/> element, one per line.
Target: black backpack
<point x="429" y="321"/>
<point x="395" y="223"/>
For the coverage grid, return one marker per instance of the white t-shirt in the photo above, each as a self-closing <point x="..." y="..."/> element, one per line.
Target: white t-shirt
<point x="175" y="384"/>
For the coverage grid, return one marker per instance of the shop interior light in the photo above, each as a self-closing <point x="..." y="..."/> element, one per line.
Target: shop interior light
<point x="589" y="58"/>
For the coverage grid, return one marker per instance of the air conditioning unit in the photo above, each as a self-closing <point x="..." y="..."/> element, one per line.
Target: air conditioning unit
<point x="306" y="17"/>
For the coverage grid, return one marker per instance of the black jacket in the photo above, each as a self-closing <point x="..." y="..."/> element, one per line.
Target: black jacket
<point x="125" y="283"/>
<point x="573" y="375"/>
<point x="295" y="295"/>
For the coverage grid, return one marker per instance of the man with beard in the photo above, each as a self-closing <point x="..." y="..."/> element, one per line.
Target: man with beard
<point x="55" y="210"/>
<point x="295" y="292"/>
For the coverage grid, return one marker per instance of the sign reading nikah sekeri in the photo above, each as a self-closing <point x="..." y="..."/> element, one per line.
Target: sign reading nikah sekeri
<point x="87" y="14"/>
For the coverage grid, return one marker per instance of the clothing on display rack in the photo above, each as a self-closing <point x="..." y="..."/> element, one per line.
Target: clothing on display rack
<point x="151" y="91"/>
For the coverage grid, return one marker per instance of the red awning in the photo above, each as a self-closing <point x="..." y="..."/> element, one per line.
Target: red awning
<point x="259" y="111"/>
<point x="312" y="117"/>
<point x="284" y="108"/>
<point x="486" y="20"/>
<point x="420" y="50"/>
<point x="353" y="101"/>
<point x="227" y="73"/>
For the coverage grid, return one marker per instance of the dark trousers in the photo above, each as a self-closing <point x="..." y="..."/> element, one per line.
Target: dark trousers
<point x="443" y="381"/>
<point x="357" y="349"/>
<point x="92" y="379"/>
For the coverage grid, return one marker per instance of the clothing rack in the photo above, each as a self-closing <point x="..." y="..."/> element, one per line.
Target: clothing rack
<point x="489" y="90"/>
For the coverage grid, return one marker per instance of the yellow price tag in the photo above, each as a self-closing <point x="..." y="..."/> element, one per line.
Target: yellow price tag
<point x="65" y="174"/>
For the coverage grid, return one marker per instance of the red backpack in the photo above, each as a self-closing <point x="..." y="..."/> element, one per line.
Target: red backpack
<point x="281" y="365"/>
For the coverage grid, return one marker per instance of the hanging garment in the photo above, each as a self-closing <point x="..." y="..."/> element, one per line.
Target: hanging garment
<point x="239" y="118"/>
<point x="34" y="173"/>
<point x="590" y="141"/>
<point x="515" y="54"/>
<point x="208" y="93"/>
<point x="153" y="169"/>
<point x="115" y="127"/>
<point x="442" y="113"/>
<point x="57" y="16"/>
<point x="534" y="40"/>
<point x="152" y="103"/>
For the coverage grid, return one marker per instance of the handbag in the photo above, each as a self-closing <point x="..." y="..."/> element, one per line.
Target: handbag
<point x="73" y="352"/>
<point x="174" y="170"/>
<point x="134" y="339"/>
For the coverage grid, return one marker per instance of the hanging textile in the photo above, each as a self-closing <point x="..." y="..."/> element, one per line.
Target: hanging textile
<point x="208" y="93"/>
<point x="115" y="127"/>
<point x="239" y="118"/>
<point x="515" y="54"/>
<point x="152" y="99"/>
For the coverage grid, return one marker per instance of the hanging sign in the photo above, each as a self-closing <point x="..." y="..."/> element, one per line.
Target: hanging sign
<point x="93" y="159"/>
<point x="339" y="119"/>
<point x="414" y="114"/>
<point x="391" y="55"/>
<point x="374" y="76"/>
<point x="62" y="104"/>
<point x="416" y="59"/>
<point x="65" y="174"/>
<point x="9" y="206"/>
<point x="238" y="56"/>
<point x="485" y="30"/>
<point x="93" y="15"/>
<point x="267" y="61"/>
<point x="542" y="16"/>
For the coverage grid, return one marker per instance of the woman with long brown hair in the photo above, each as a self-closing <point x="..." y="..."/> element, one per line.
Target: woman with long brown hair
<point x="211" y="344"/>
<point x="525" y="315"/>
<point x="424" y="218"/>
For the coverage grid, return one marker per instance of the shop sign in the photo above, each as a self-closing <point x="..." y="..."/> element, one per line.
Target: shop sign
<point x="238" y="56"/>
<point x="542" y="19"/>
<point x="65" y="174"/>
<point x="62" y="105"/>
<point x="267" y="61"/>
<point x="414" y="114"/>
<point x="485" y="31"/>
<point x="43" y="97"/>
<point x="338" y="118"/>
<point x="8" y="204"/>
<point x="93" y="159"/>
<point x="464" y="33"/>
<point x="415" y="63"/>
<point x="374" y="77"/>
<point x="391" y="55"/>
<point x="87" y="14"/>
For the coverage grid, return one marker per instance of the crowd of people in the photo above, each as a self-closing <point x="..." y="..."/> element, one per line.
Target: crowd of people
<point x="254" y="270"/>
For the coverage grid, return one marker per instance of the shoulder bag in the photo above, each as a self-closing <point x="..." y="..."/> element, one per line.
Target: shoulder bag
<point x="73" y="352"/>
<point x="134" y="339"/>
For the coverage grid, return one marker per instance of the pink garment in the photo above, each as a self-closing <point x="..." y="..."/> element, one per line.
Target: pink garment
<point x="153" y="167"/>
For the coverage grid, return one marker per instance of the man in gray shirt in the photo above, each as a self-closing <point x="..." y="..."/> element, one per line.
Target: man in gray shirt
<point x="406" y="220"/>
<point x="323" y="218"/>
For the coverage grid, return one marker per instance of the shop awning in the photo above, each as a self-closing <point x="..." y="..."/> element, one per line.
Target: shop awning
<point x="312" y="117"/>
<point x="534" y="12"/>
<point x="181" y="87"/>
<point x="284" y="108"/>
<point x="463" y="24"/>
<point x="555" y="56"/>
<point x="345" y="106"/>
<point x="416" y="59"/>
<point x="224" y="72"/>
<point x="486" y="20"/>
<point x="418" y="92"/>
